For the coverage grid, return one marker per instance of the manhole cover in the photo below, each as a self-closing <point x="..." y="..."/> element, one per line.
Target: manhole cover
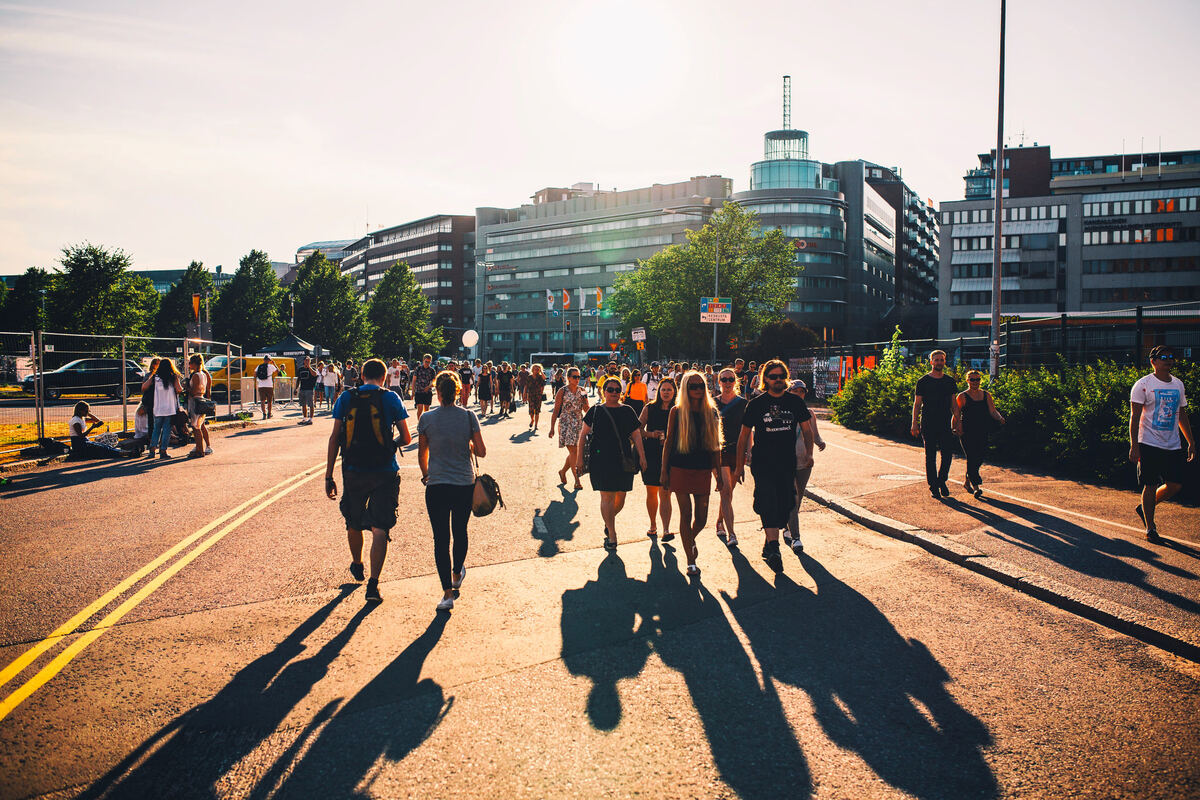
<point x="905" y="477"/>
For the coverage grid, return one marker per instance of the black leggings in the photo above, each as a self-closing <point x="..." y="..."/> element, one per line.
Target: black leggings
<point x="449" y="507"/>
<point x="938" y="440"/>
<point x="975" y="446"/>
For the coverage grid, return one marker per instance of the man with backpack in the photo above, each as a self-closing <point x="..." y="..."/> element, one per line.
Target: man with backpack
<point x="264" y="378"/>
<point x="363" y="419"/>
<point x="306" y="382"/>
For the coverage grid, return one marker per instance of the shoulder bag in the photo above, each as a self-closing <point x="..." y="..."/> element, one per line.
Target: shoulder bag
<point x="203" y="406"/>
<point x="486" y="494"/>
<point x="628" y="462"/>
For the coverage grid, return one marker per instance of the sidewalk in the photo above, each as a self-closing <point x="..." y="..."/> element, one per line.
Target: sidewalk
<point x="1076" y="545"/>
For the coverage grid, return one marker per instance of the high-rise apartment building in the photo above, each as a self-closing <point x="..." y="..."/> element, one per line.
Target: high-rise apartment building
<point x="1092" y="233"/>
<point x="440" y="250"/>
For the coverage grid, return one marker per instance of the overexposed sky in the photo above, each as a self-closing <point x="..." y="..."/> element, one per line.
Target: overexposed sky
<point x="202" y="130"/>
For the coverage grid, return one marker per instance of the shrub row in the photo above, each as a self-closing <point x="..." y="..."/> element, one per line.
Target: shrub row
<point x="1071" y="420"/>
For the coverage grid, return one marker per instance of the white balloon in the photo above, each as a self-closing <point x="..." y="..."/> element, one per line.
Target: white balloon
<point x="470" y="338"/>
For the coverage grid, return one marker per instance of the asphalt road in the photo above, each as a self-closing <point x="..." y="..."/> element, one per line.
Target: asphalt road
<point x="245" y="663"/>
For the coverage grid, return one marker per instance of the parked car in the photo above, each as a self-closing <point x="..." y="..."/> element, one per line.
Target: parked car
<point x="89" y="376"/>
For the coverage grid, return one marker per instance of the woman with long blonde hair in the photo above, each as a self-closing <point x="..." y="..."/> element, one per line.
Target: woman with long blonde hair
<point x="691" y="457"/>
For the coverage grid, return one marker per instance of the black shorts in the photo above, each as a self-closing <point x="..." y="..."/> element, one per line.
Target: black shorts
<point x="1158" y="466"/>
<point x="422" y="398"/>
<point x="774" y="494"/>
<point x="369" y="499"/>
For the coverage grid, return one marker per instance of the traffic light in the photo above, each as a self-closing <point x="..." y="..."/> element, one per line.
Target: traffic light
<point x="733" y="343"/>
<point x="568" y="325"/>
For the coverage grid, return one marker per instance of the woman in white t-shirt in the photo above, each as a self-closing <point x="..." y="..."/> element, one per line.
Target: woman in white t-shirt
<point x="167" y="387"/>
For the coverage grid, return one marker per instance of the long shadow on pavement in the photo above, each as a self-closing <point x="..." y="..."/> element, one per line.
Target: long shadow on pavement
<point x="192" y="754"/>
<point x="1079" y="549"/>
<point x="77" y="473"/>
<point x="388" y="718"/>
<point x="865" y="681"/>
<point x="559" y="523"/>
<point x="749" y="737"/>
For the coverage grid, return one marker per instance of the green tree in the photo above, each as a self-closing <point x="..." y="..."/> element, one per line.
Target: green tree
<point x="663" y="294"/>
<point x="328" y="312"/>
<point x="24" y="307"/>
<point x="247" y="310"/>
<point x="175" y="310"/>
<point x="400" y="315"/>
<point x="97" y="294"/>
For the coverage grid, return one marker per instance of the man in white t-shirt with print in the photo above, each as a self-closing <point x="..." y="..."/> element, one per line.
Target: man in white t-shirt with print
<point x="652" y="379"/>
<point x="264" y="379"/>
<point x="1157" y="415"/>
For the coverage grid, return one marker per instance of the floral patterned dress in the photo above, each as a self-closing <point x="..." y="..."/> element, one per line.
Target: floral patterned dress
<point x="570" y="417"/>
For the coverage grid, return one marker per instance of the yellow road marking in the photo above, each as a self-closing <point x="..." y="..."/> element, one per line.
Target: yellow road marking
<point x="1001" y="494"/>
<point x="28" y="657"/>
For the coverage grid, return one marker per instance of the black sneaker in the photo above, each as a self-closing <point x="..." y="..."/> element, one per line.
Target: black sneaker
<point x="1152" y="535"/>
<point x="771" y="555"/>
<point x="373" y="595"/>
<point x="356" y="569"/>
<point x="610" y="546"/>
<point x="1141" y="514"/>
<point x="945" y="491"/>
<point x="933" y="491"/>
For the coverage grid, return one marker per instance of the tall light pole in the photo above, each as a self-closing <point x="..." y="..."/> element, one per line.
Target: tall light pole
<point x="717" y="266"/>
<point x="997" y="237"/>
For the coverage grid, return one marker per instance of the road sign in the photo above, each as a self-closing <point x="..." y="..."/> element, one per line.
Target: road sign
<point x="641" y="345"/>
<point x="639" y="334"/>
<point x="716" y="309"/>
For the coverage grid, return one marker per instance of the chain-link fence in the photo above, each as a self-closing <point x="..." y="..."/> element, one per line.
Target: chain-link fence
<point x="1125" y="336"/>
<point x="44" y="375"/>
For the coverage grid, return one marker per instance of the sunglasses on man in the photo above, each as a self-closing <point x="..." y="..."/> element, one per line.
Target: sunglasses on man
<point x="777" y="376"/>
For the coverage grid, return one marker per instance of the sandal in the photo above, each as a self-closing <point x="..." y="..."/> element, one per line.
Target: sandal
<point x="668" y="536"/>
<point x="652" y="533"/>
<point x="562" y="477"/>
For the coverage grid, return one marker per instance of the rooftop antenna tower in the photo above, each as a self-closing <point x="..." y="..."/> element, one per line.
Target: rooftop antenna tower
<point x="787" y="102"/>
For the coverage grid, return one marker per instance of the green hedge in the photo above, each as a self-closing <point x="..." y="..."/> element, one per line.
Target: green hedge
<point x="1072" y="420"/>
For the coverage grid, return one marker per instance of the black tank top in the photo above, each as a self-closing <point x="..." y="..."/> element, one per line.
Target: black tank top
<point x="656" y="417"/>
<point x="975" y="415"/>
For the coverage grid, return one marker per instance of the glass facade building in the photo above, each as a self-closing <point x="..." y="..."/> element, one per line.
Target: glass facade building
<point x="575" y="241"/>
<point x="1080" y="234"/>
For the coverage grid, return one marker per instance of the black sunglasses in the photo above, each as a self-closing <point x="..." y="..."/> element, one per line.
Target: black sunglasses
<point x="612" y="389"/>
<point x="695" y="385"/>
<point x="777" y="376"/>
<point x="728" y="380"/>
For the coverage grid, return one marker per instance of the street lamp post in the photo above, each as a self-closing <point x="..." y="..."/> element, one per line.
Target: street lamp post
<point x="997" y="270"/>
<point x="717" y="264"/>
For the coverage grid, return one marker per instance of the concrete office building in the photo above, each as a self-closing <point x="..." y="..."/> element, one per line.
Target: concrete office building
<point x="1079" y="235"/>
<point x="574" y="240"/>
<point x="439" y="249"/>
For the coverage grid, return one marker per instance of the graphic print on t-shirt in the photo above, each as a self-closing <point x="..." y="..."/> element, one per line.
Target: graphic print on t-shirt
<point x="1166" y="409"/>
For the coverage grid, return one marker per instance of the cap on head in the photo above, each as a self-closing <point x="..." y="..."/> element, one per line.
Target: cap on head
<point x="1162" y="350"/>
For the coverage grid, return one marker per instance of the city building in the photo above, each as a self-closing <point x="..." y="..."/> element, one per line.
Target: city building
<point x="541" y="267"/>
<point x="439" y="249"/>
<point x="1080" y="234"/>
<point x="865" y="241"/>
<point x="334" y="249"/>
<point x="164" y="279"/>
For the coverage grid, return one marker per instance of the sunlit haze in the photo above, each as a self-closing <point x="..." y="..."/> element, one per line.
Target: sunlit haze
<point x="203" y="130"/>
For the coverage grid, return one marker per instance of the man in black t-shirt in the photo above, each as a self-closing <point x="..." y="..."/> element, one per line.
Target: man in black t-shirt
<point x="306" y="382"/>
<point x="773" y="417"/>
<point x="934" y="415"/>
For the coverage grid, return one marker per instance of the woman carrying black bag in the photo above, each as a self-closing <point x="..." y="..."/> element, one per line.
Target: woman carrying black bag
<point x="976" y="417"/>
<point x="612" y="427"/>
<point x="447" y="436"/>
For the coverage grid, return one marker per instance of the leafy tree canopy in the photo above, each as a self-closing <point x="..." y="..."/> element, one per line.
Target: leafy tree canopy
<point x="248" y="309"/>
<point x="175" y="311"/>
<point x="24" y="307"/>
<point x="757" y="268"/>
<point x="781" y="339"/>
<point x="399" y="313"/>
<point x="96" y="293"/>
<point x="327" y="311"/>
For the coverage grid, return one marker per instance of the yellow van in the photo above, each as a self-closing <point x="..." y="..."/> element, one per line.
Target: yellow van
<point x="223" y="373"/>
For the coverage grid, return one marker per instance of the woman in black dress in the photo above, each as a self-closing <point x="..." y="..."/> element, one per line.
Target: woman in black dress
<point x="654" y="431"/>
<point x="613" y="426"/>
<point x="504" y="381"/>
<point x="485" y="389"/>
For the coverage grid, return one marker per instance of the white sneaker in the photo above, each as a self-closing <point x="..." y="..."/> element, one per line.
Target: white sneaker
<point x="797" y="545"/>
<point x="461" y="576"/>
<point x="445" y="604"/>
<point x="731" y="540"/>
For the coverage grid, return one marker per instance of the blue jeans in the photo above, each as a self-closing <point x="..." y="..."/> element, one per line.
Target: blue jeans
<point x="328" y="394"/>
<point x="161" y="437"/>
